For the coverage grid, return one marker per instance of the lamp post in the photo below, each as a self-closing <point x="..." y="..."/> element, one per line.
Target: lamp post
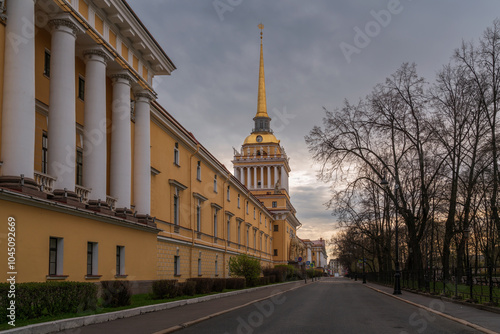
<point x="397" y="274"/>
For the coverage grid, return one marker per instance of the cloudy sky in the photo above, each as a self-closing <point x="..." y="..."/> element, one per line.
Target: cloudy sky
<point x="317" y="53"/>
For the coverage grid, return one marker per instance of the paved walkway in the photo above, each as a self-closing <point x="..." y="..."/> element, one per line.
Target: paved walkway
<point x="488" y="322"/>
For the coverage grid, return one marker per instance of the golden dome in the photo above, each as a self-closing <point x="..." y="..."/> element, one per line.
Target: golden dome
<point x="267" y="138"/>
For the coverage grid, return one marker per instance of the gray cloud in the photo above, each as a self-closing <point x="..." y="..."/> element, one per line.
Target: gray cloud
<point x="213" y="93"/>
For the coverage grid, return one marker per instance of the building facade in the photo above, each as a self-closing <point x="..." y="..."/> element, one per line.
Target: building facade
<point x="101" y="182"/>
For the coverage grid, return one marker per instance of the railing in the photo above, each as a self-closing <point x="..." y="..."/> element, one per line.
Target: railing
<point x="83" y="193"/>
<point x="485" y="286"/>
<point x="45" y="182"/>
<point x="111" y="201"/>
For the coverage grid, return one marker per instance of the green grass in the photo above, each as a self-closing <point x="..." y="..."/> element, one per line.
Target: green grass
<point x="136" y="301"/>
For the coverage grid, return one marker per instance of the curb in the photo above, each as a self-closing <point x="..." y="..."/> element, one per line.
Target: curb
<point x="196" y="321"/>
<point x="444" y="315"/>
<point x="71" y="323"/>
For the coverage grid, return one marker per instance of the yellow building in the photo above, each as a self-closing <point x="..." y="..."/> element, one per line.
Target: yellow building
<point x="262" y="166"/>
<point x="98" y="180"/>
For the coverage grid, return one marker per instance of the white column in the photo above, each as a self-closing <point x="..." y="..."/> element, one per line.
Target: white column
<point x="255" y="177"/>
<point x="262" y="177"/>
<point x="269" y="184"/>
<point x="283" y="177"/>
<point x="18" y="115"/>
<point x="94" y="135"/>
<point x="309" y="254"/>
<point x="248" y="184"/>
<point x="142" y="153"/>
<point x="62" y="110"/>
<point x="121" y="145"/>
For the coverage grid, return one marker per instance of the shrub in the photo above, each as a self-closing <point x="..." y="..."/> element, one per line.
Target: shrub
<point x="189" y="288"/>
<point x="34" y="300"/>
<point x="279" y="273"/>
<point x="245" y="266"/>
<point x="164" y="289"/>
<point x="203" y="285"/>
<point x="264" y="280"/>
<point x="272" y="279"/>
<point x="235" y="283"/>
<point x="219" y="284"/>
<point x="116" y="293"/>
<point x="288" y="271"/>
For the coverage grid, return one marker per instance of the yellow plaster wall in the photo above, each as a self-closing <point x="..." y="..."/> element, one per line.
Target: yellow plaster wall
<point x="42" y="83"/>
<point x="34" y="227"/>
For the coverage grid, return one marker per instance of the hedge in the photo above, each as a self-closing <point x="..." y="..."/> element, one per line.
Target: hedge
<point x="116" y="293"/>
<point x="203" y="285"/>
<point x="34" y="300"/>
<point x="164" y="289"/>
<point x="235" y="283"/>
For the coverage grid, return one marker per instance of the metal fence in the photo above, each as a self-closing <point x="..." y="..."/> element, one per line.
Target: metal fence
<point x="478" y="286"/>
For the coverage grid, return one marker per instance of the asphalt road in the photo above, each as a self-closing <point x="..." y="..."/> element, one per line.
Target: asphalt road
<point x="330" y="306"/>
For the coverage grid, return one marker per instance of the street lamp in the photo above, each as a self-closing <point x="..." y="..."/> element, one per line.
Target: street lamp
<point x="397" y="274"/>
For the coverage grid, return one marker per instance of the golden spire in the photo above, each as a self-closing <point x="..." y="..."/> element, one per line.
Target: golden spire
<point x="261" y="105"/>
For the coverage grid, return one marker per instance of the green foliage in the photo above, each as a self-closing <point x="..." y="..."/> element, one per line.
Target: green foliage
<point x="189" y="288"/>
<point x="235" y="283"/>
<point x="264" y="280"/>
<point x="203" y="285"/>
<point x="219" y="284"/>
<point x="245" y="266"/>
<point x="34" y="300"/>
<point x="164" y="289"/>
<point x="115" y="293"/>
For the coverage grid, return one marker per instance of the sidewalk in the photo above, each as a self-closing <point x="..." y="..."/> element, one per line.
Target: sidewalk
<point x="167" y="320"/>
<point x="482" y="320"/>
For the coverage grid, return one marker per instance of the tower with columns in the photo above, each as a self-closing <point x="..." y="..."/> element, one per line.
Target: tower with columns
<point x="262" y="165"/>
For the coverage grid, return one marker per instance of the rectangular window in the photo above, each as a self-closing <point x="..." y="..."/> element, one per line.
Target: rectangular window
<point x="198" y="171"/>
<point x="44" y="152"/>
<point x="199" y="267"/>
<point x="260" y="218"/>
<point x="56" y="252"/>
<point x="215" y="222"/>
<point x="275" y="204"/>
<point x="248" y="236"/>
<point x="46" y="64"/>
<point x="120" y="260"/>
<point x="79" y="167"/>
<point x="228" y="228"/>
<point x="247" y="208"/>
<point x="239" y="233"/>
<point x="275" y="228"/>
<point x="177" y="265"/>
<point x="198" y="216"/>
<point x="215" y="183"/>
<point x="176" y="208"/>
<point x="216" y="268"/>
<point x="254" y="214"/>
<point x="265" y="222"/>
<point x="176" y="154"/>
<point x="81" y="88"/>
<point x="92" y="252"/>
<point x="275" y="252"/>
<point x="238" y="201"/>
<point x="254" y="239"/>
<point x="228" y="195"/>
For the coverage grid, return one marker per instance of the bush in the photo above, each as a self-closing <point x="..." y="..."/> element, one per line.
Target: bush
<point x="245" y="266"/>
<point x="203" y="285"/>
<point x="272" y="279"/>
<point x="219" y="284"/>
<point x="264" y="280"/>
<point x="116" y="293"/>
<point x="164" y="289"/>
<point x="279" y="273"/>
<point x="189" y="288"/>
<point x="235" y="283"/>
<point x="34" y="300"/>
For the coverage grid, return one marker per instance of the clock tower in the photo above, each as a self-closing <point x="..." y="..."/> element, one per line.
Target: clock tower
<point x="263" y="167"/>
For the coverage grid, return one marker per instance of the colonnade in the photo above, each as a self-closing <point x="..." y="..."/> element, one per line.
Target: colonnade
<point x="262" y="177"/>
<point x="18" y="117"/>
